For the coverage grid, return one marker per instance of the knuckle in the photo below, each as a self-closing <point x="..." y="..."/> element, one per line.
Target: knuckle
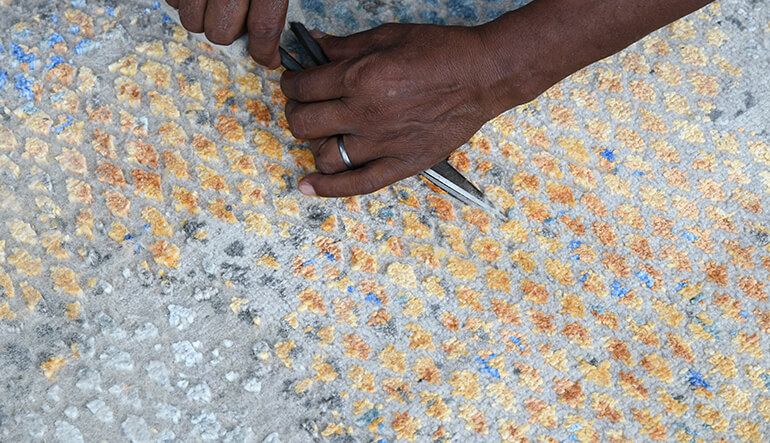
<point x="289" y="86"/>
<point x="325" y="164"/>
<point x="357" y="73"/>
<point x="299" y="88"/>
<point x="289" y="108"/>
<point x="333" y="44"/>
<point x="264" y="32"/>
<point x="298" y="123"/>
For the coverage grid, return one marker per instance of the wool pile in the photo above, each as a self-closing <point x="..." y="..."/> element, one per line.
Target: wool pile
<point x="162" y="279"/>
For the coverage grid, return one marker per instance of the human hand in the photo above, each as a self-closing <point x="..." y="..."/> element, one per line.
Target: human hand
<point x="223" y="21"/>
<point x="403" y="96"/>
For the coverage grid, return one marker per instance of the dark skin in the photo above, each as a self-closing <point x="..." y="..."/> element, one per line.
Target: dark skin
<point x="405" y="96"/>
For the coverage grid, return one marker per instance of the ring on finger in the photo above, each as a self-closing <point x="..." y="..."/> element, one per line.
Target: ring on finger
<point x="344" y="152"/>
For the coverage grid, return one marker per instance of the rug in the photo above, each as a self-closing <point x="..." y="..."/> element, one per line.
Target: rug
<point x="163" y="279"/>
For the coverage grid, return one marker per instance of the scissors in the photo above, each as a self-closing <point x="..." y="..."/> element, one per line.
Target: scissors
<point x="442" y="174"/>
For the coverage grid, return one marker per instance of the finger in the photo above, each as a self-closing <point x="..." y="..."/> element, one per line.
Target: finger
<point x="173" y="3"/>
<point x="191" y="13"/>
<point x="317" y="146"/>
<point x="371" y="177"/>
<point x="225" y="20"/>
<point x="316" y="120"/>
<point x="316" y="84"/>
<point x="265" y="23"/>
<point x="342" y="48"/>
<point x="328" y="158"/>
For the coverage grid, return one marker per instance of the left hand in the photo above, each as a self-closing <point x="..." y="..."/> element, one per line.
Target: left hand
<point x="224" y="21"/>
<point x="402" y="96"/>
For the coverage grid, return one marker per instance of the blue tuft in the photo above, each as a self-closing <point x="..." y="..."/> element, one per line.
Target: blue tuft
<point x="517" y="342"/>
<point x="368" y="418"/>
<point x="609" y="154"/>
<point x="689" y="236"/>
<point x="696" y="379"/>
<point x="55" y="61"/>
<point x="617" y="289"/>
<point x="21" y="56"/>
<point x="29" y="109"/>
<point x="54" y="39"/>
<point x="86" y="46"/>
<point x="59" y="129"/>
<point x="370" y="297"/>
<point x="23" y="85"/>
<point x="489" y="370"/>
<point x="646" y="278"/>
<point x="385" y="213"/>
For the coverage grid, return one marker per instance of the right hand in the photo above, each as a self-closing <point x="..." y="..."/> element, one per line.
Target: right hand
<point x="403" y="96"/>
<point x="224" y="21"/>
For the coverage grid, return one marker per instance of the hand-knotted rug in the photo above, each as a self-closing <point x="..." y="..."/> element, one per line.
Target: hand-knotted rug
<point x="163" y="279"/>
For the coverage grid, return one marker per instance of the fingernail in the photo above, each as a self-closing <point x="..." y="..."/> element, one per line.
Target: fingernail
<point x="306" y="188"/>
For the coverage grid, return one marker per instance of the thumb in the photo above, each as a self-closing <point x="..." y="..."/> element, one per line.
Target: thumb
<point x="373" y="176"/>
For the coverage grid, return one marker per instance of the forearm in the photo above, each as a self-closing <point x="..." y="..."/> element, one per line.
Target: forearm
<point x="563" y="36"/>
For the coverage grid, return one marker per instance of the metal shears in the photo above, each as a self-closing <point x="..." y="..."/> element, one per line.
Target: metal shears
<point x="442" y="175"/>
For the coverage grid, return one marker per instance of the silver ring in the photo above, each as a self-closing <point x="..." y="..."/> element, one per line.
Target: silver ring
<point x="344" y="152"/>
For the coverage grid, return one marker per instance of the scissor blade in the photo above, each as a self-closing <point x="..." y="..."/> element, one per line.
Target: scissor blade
<point x="289" y="62"/>
<point x="309" y="43"/>
<point x="455" y="184"/>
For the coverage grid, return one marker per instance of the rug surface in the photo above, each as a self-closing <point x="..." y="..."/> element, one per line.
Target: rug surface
<point x="162" y="279"/>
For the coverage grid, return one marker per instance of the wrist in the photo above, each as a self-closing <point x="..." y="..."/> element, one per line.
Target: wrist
<point x="495" y="84"/>
<point x="534" y="47"/>
<point x="525" y="57"/>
